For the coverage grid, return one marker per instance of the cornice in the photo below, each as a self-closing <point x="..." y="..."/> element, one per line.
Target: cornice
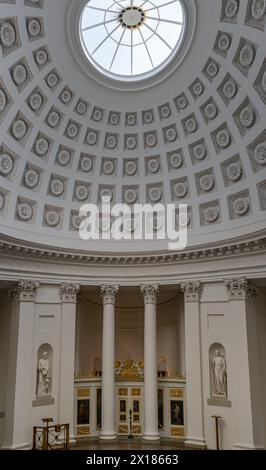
<point x="241" y="246"/>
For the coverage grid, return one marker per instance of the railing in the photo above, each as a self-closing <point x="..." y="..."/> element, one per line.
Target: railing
<point x="55" y="437"/>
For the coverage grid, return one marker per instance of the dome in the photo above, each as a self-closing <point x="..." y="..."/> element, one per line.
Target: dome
<point x="190" y="132"/>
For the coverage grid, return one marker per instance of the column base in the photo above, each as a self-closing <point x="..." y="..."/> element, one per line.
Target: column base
<point x="151" y="437"/>
<point x="195" y="444"/>
<point x="72" y="440"/>
<point x="108" y="436"/>
<point x="248" y="447"/>
<point x="17" y="447"/>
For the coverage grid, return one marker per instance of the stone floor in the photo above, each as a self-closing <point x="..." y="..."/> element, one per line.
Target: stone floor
<point x="126" y="444"/>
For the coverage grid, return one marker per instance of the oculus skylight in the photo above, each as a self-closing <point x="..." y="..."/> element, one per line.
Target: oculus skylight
<point x="131" y="39"/>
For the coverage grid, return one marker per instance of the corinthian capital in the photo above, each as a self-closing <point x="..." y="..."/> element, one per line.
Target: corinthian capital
<point x="24" y="292"/>
<point x="192" y="290"/>
<point x="150" y="292"/>
<point x="68" y="292"/>
<point x="108" y="294"/>
<point x="240" y="289"/>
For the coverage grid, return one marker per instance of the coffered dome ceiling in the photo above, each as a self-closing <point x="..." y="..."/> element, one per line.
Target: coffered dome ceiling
<point x="194" y="133"/>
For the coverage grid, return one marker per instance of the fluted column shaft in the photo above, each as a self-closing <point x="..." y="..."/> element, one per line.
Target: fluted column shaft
<point x="150" y="363"/>
<point x="108" y="430"/>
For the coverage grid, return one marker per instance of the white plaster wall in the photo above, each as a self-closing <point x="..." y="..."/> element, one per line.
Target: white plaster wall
<point x="213" y="309"/>
<point x="219" y="324"/>
<point x="48" y="324"/>
<point x="4" y="347"/>
<point x="88" y="337"/>
<point x="47" y="329"/>
<point x="129" y="344"/>
<point x="167" y="347"/>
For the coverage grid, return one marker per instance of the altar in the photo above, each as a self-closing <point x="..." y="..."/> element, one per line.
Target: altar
<point x="129" y="409"/>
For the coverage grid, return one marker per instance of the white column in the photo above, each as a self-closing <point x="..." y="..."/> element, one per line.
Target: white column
<point x="194" y="396"/>
<point x="77" y="340"/>
<point x="18" y="429"/>
<point x="246" y="387"/>
<point x="150" y="292"/>
<point x="181" y="335"/>
<point x="68" y="294"/>
<point x="108" y="430"/>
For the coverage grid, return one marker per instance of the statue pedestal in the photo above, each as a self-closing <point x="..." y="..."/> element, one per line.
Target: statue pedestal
<point x="219" y="401"/>
<point x="43" y="401"/>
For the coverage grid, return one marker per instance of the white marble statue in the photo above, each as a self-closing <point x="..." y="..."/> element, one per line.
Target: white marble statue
<point x="43" y="375"/>
<point x="219" y="374"/>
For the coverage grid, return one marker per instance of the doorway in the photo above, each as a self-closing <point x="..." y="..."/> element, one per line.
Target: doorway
<point x="129" y="410"/>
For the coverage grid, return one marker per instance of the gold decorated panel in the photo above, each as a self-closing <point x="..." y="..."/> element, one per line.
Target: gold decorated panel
<point x="177" y="432"/>
<point x="123" y="392"/>
<point x="137" y="429"/>
<point x="83" y="392"/>
<point x="84" y="431"/>
<point x="136" y="392"/>
<point x="176" y="393"/>
<point x="122" y="429"/>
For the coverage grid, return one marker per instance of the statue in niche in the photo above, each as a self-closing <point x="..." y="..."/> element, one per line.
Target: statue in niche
<point x="44" y="367"/>
<point x="44" y="378"/>
<point x="218" y="371"/>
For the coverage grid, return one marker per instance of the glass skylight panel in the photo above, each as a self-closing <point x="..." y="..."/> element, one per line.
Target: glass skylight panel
<point x="131" y="39"/>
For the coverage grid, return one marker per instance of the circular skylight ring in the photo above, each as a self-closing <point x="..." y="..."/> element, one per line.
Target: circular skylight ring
<point x="131" y="40"/>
